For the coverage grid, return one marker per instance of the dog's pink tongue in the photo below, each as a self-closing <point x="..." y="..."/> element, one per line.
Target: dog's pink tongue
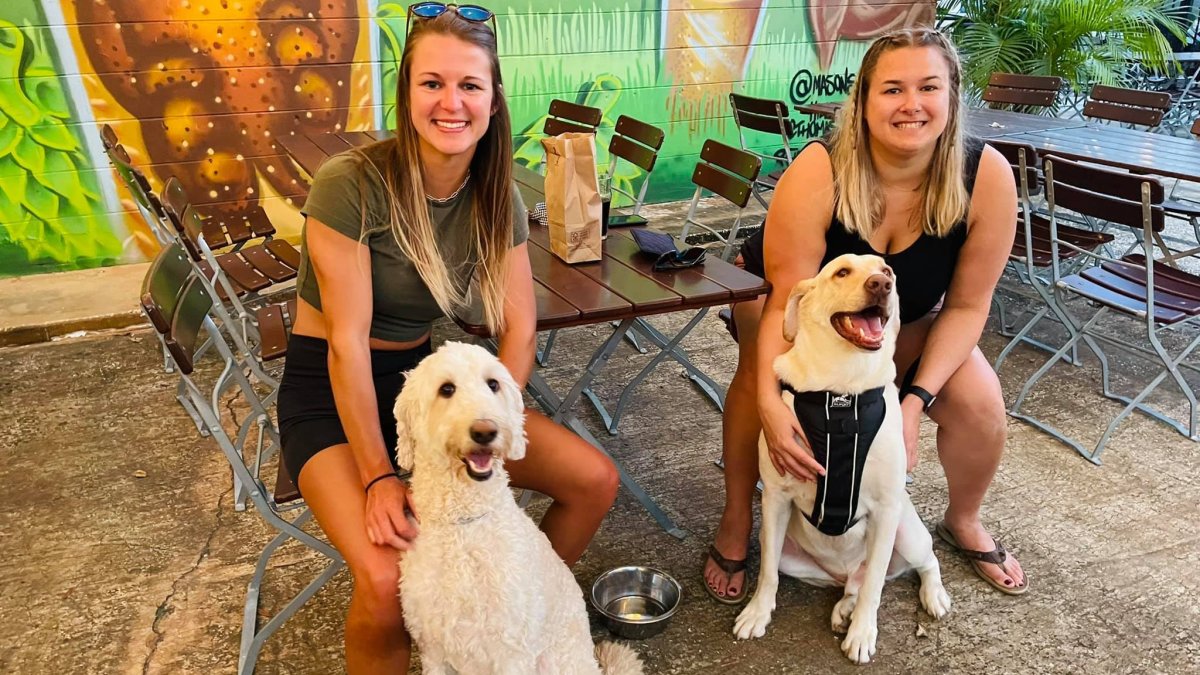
<point x="480" y="460"/>
<point x="871" y="326"/>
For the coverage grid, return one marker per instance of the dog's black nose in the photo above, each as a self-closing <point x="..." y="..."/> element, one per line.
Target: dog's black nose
<point x="879" y="283"/>
<point x="483" y="431"/>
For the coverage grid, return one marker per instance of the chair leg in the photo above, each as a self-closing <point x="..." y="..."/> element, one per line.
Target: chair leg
<point x="1018" y="337"/>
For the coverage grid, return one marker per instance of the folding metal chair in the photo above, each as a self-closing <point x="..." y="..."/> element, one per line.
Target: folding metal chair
<point x="175" y="291"/>
<point x="727" y="172"/>
<point x="637" y="143"/>
<point x="766" y="116"/>
<point x="1159" y="297"/>
<point x="1031" y="255"/>
<point x="1028" y="93"/>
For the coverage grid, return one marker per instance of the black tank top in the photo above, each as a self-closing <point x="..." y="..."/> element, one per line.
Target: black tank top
<point x="923" y="270"/>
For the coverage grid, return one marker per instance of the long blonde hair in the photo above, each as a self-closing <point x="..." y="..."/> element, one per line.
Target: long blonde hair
<point x="943" y="200"/>
<point x="491" y="178"/>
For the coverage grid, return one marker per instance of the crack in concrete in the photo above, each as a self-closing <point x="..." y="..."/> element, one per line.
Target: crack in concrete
<point x="165" y="609"/>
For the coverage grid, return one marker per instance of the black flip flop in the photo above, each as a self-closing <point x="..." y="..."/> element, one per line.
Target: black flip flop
<point x="730" y="568"/>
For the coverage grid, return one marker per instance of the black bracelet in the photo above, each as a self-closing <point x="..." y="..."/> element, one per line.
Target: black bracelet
<point x="376" y="479"/>
<point x="927" y="398"/>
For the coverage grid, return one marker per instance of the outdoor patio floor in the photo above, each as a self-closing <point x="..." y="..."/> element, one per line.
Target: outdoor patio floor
<point x="106" y="572"/>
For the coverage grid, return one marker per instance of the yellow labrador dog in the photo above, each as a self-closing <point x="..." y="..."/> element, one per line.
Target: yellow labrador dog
<point x="855" y="526"/>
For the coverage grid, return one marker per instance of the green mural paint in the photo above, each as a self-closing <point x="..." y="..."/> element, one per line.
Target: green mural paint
<point x="51" y="213"/>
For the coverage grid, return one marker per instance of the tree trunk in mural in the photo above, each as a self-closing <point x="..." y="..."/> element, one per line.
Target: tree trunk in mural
<point x="212" y="84"/>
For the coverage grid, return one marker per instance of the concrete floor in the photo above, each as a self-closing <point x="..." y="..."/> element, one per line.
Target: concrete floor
<point x="123" y="553"/>
<point x="108" y="572"/>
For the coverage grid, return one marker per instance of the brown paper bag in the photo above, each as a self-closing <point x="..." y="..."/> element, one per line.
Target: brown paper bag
<point x="572" y="197"/>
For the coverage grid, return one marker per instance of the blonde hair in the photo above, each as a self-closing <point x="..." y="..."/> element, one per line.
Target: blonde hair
<point x="944" y="199"/>
<point x="491" y="178"/>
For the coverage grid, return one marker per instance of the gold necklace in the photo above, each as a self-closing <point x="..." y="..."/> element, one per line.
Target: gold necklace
<point x="443" y="200"/>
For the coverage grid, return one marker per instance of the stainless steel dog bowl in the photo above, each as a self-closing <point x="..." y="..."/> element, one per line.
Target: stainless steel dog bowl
<point x="636" y="602"/>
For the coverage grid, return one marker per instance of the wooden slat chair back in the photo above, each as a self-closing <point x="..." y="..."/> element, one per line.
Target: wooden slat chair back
<point x="730" y="173"/>
<point x="1023" y="91"/>
<point x="1128" y="106"/>
<point x="768" y="116"/>
<point x="248" y="447"/>
<point x="1158" y="298"/>
<point x="565" y="117"/>
<point x="637" y="143"/>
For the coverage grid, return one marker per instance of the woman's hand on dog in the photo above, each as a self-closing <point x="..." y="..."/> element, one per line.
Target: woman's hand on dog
<point x="387" y="522"/>
<point x="786" y="444"/>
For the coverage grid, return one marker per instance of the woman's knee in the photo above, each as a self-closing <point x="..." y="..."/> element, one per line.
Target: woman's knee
<point x="377" y="586"/>
<point x="975" y="404"/>
<point x="601" y="480"/>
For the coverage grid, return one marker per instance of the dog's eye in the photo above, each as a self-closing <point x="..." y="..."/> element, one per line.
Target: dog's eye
<point x="447" y="390"/>
<point x="493" y="385"/>
<point x="845" y="271"/>
<point x="887" y="272"/>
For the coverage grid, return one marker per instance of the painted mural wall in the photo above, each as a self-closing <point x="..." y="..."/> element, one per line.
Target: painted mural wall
<point x="200" y="90"/>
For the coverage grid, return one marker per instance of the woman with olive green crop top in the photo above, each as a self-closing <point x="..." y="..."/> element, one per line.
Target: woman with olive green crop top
<point x="396" y="235"/>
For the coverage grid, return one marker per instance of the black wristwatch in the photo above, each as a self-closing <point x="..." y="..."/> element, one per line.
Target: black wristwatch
<point x="927" y="399"/>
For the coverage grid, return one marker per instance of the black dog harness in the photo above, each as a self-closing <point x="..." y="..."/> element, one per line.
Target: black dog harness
<point x="840" y="429"/>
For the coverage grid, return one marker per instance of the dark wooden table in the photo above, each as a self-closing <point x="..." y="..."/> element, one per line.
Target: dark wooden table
<point x="1130" y="149"/>
<point x="622" y="287"/>
<point x="981" y="122"/>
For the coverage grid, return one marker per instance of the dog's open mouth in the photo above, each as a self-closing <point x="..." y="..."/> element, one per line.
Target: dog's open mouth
<point x="479" y="464"/>
<point x="863" y="328"/>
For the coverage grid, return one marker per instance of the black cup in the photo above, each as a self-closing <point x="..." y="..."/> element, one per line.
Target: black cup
<point x="604" y="204"/>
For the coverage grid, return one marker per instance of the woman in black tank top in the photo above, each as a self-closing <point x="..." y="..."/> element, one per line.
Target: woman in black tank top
<point x="897" y="179"/>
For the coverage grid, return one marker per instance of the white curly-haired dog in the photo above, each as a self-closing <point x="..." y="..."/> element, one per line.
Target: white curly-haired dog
<point x="482" y="590"/>
<point x="855" y="526"/>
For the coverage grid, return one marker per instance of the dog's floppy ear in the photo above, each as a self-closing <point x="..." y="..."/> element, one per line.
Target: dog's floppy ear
<point x="793" y="304"/>
<point x="516" y="409"/>
<point x="405" y="445"/>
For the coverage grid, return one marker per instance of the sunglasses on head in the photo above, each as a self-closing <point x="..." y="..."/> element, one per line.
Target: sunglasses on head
<point x="432" y="10"/>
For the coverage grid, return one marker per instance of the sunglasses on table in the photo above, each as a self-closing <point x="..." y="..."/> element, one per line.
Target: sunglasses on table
<point x="432" y="10"/>
<point x="667" y="256"/>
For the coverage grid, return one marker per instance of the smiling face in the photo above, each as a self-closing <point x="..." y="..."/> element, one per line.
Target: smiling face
<point x="908" y="100"/>
<point x="450" y="95"/>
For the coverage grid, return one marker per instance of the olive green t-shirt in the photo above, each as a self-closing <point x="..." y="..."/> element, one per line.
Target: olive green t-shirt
<point x="403" y="307"/>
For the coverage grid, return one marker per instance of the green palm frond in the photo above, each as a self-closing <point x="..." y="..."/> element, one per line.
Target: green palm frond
<point x="1083" y="41"/>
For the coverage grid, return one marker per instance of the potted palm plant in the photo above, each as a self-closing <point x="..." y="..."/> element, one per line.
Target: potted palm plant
<point x="1085" y="42"/>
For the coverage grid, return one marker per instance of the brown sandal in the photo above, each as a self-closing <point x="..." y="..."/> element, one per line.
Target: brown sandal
<point x="996" y="556"/>
<point x="730" y="568"/>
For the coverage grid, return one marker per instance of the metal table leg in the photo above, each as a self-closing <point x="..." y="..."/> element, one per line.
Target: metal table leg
<point x="560" y="411"/>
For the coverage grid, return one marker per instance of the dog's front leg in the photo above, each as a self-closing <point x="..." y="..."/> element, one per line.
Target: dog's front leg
<point x="776" y="513"/>
<point x="859" y="644"/>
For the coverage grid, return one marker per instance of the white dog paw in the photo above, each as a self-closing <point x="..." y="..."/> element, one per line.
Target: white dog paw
<point x="840" y="619"/>
<point x="859" y="645"/>
<point x="935" y="600"/>
<point x="752" y="622"/>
